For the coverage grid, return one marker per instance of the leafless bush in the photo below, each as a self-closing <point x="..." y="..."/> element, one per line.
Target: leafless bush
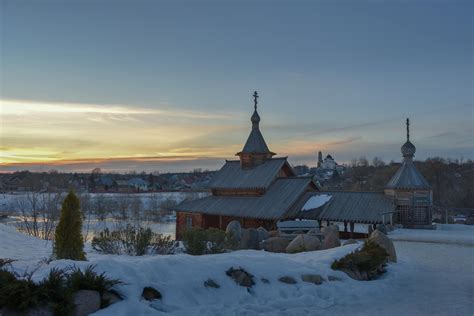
<point x="5" y="262"/>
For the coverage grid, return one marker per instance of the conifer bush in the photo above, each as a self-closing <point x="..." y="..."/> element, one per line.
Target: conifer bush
<point x="22" y="294"/>
<point x="370" y="259"/>
<point x="88" y="279"/>
<point x="68" y="243"/>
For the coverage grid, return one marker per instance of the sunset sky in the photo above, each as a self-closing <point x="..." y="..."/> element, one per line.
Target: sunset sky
<point x="161" y="85"/>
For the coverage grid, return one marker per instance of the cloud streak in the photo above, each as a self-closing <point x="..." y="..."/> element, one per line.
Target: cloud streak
<point x="27" y="107"/>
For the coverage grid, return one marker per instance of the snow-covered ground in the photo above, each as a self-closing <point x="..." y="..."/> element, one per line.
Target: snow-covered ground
<point x="432" y="278"/>
<point x="444" y="233"/>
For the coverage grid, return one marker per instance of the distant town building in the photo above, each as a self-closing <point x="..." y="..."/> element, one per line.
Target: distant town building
<point x="320" y="159"/>
<point x="327" y="168"/>
<point x="329" y="163"/>
<point x="138" y="184"/>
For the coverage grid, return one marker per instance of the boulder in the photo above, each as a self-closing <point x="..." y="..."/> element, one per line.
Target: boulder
<point x="234" y="234"/>
<point x="382" y="228"/>
<point x="297" y="232"/>
<point x="383" y="241"/>
<point x="331" y="237"/>
<point x="370" y="229"/>
<point x="273" y="233"/>
<point x="314" y="231"/>
<point x="211" y="283"/>
<point x="312" y="278"/>
<point x="111" y="297"/>
<point x="266" y="281"/>
<point x="151" y="294"/>
<point x="332" y="229"/>
<point x="333" y="278"/>
<point x="287" y="280"/>
<point x="303" y="242"/>
<point x="39" y="311"/>
<point x="86" y="302"/>
<point x="241" y="277"/>
<point x="249" y="239"/>
<point x="274" y="244"/>
<point x="349" y="242"/>
<point x="262" y="234"/>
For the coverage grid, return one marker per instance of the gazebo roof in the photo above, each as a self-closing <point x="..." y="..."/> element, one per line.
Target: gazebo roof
<point x="408" y="177"/>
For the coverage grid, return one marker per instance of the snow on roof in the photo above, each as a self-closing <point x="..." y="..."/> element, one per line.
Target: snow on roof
<point x="316" y="202"/>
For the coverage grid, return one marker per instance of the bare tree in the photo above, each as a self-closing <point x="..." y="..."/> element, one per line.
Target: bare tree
<point x="136" y="206"/>
<point x="377" y="162"/>
<point x="123" y="205"/>
<point x="39" y="213"/>
<point x="87" y="212"/>
<point x="100" y="206"/>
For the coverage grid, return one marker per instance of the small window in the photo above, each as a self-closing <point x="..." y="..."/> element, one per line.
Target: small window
<point x="189" y="221"/>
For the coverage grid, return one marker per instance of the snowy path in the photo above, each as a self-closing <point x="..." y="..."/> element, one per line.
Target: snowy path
<point x="429" y="279"/>
<point x="444" y="233"/>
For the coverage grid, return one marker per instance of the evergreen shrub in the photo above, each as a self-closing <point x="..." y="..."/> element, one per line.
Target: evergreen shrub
<point x="68" y="243"/>
<point x="369" y="259"/>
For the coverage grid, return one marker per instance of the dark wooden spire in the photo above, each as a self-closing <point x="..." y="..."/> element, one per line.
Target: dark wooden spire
<point x="255" y="97"/>
<point x="408" y="129"/>
<point x="255" y="150"/>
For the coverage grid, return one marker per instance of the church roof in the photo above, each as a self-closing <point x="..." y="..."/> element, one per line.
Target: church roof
<point x="408" y="177"/>
<point x="274" y="204"/>
<point x="255" y="143"/>
<point x="233" y="176"/>
<point x="350" y="206"/>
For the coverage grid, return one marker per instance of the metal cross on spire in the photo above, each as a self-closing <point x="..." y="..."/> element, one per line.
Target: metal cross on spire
<point x="408" y="129"/>
<point x="255" y="97"/>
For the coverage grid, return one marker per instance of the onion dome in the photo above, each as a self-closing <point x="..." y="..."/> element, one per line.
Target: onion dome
<point x="408" y="149"/>
<point x="408" y="176"/>
<point x="255" y="119"/>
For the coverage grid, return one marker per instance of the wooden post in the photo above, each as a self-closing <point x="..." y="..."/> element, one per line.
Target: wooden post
<point x="320" y="222"/>
<point x="352" y="229"/>
<point x="220" y="222"/>
<point x="345" y="227"/>
<point x="327" y="223"/>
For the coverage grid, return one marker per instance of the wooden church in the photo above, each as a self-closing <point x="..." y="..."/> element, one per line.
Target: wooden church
<point x="259" y="190"/>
